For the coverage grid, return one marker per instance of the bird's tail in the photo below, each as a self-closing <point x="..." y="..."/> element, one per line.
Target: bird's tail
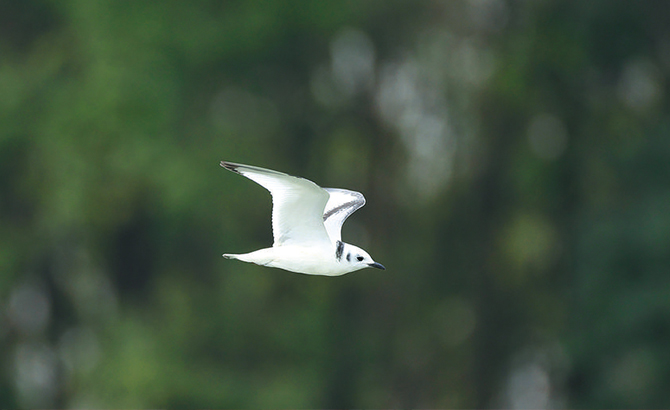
<point x="259" y="257"/>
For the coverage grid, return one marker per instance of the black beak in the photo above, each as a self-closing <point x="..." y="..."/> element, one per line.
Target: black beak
<point x="377" y="265"/>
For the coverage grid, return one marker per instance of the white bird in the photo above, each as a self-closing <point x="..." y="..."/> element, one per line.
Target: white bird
<point x="306" y="225"/>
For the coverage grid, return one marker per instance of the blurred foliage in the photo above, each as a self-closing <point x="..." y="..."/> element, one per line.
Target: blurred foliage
<point x="515" y="157"/>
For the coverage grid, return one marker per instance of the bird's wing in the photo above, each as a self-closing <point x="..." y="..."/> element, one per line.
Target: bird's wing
<point x="341" y="204"/>
<point x="297" y="205"/>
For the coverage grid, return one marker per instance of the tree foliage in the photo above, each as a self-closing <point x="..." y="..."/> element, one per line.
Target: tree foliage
<point x="514" y="156"/>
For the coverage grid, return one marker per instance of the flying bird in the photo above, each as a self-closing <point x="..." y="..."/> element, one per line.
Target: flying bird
<point x="306" y="225"/>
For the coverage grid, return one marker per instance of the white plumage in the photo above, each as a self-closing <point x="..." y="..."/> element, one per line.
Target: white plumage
<point x="306" y="225"/>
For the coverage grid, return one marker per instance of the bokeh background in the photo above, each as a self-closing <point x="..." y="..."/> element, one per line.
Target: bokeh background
<point x="515" y="156"/>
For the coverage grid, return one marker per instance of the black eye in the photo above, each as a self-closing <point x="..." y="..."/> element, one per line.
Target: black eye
<point x="359" y="258"/>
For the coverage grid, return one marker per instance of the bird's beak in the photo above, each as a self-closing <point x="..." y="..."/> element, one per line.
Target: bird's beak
<point x="377" y="265"/>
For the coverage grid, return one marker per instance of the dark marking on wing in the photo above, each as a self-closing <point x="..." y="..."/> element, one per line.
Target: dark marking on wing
<point x="335" y="210"/>
<point x="339" y="248"/>
<point x="230" y="166"/>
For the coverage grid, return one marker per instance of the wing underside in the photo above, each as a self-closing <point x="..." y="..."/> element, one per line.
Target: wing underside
<point x="298" y="205"/>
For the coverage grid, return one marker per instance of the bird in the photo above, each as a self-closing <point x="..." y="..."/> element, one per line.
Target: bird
<point x="306" y="225"/>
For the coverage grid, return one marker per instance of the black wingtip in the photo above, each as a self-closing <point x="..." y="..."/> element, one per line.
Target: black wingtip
<point x="229" y="166"/>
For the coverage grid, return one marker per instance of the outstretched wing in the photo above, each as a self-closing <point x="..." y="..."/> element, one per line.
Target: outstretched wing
<point x="297" y="205"/>
<point x="341" y="204"/>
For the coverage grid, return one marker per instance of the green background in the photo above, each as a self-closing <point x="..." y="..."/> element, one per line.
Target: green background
<point x="515" y="157"/>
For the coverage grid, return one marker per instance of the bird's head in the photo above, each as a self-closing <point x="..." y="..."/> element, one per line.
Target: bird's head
<point x="355" y="257"/>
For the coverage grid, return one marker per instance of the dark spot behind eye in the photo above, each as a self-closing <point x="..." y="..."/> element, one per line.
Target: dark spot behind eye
<point x="349" y="257"/>
<point x="359" y="258"/>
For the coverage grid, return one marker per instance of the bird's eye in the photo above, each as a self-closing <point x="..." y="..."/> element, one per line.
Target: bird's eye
<point x="359" y="258"/>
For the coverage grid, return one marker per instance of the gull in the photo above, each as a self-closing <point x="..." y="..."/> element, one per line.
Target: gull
<point x="306" y="225"/>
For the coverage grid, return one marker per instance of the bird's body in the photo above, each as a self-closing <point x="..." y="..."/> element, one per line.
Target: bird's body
<point x="300" y="259"/>
<point x="306" y="225"/>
